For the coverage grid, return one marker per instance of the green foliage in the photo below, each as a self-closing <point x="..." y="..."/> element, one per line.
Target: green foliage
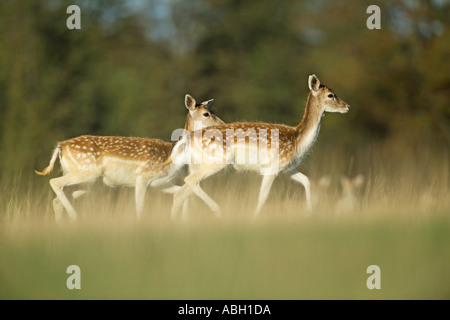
<point x="127" y="70"/>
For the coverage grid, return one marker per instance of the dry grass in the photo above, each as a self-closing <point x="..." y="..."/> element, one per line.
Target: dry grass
<point x="401" y="222"/>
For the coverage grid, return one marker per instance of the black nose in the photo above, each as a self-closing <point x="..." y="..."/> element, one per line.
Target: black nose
<point x="348" y="107"/>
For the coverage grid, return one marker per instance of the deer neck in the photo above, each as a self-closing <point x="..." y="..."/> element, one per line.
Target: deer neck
<point x="189" y="123"/>
<point x="308" y="129"/>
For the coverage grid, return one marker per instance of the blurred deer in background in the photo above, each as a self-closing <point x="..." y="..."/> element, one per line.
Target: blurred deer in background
<point x="277" y="148"/>
<point x="319" y="191"/>
<point x="121" y="161"/>
<point x="349" y="200"/>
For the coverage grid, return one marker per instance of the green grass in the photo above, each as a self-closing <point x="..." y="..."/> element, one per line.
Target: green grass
<point x="401" y="223"/>
<point x="299" y="259"/>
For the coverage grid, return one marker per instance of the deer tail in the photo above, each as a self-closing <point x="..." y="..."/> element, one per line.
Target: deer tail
<point x="49" y="169"/>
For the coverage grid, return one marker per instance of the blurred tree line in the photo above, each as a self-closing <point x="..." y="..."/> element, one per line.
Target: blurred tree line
<point x="127" y="70"/>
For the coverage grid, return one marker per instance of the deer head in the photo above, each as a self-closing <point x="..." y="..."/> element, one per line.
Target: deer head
<point x="325" y="98"/>
<point x="200" y="112"/>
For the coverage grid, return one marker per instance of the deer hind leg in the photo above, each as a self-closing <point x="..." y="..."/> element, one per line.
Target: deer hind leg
<point x="301" y="178"/>
<point x="57" y="185"/>
<point x="179" y="199"/>
<point x="58" y="207"/>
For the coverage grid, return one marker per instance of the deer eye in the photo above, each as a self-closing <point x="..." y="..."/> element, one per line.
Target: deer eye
<point x="330" y="95"/>
<point x="206" y="114"/>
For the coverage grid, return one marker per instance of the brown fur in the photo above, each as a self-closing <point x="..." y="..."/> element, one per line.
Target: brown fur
<point x="125" y="161"/>
<point x="210" y="146"/>
<point x="88" y="149"/>
<point x="289" y="137"/>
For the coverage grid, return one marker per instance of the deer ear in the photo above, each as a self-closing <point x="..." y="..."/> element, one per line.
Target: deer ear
<point x="189" y="102"/>
<point x="325" y="181"/>
<point x="359" y="180"/>
<point x="208" y="103"/>
<point x="344" y="181"/>
<point x="313" y="83"/>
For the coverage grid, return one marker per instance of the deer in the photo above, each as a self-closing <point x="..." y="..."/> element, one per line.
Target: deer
<point x="348" y="201"/>
<point x="319" y="191"/>
<point x="278" y="148"/>
<point x="120" y="161"/>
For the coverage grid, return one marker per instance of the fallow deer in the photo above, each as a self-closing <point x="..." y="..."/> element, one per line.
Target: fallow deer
<point x="286" y="146"/>
<point x="319" y="191"/>
<point x="348" y="202"/>
<point x="121" y="161"/>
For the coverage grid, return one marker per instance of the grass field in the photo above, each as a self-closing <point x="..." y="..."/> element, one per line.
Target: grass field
<point x="401" y="226"/>
<point x="297" y="260"/>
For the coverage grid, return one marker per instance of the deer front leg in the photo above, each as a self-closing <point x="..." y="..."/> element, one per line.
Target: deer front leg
<point x="174" y="189"/>
<point x="171" y="189"/>
<point x="192" y="185"/>
<point x="179" y="199"/>
<point x="194" y="179"/>
<point x="141" y="187"/>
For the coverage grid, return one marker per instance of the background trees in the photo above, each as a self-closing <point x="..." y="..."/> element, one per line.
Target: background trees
<point x="127" y="70"/>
